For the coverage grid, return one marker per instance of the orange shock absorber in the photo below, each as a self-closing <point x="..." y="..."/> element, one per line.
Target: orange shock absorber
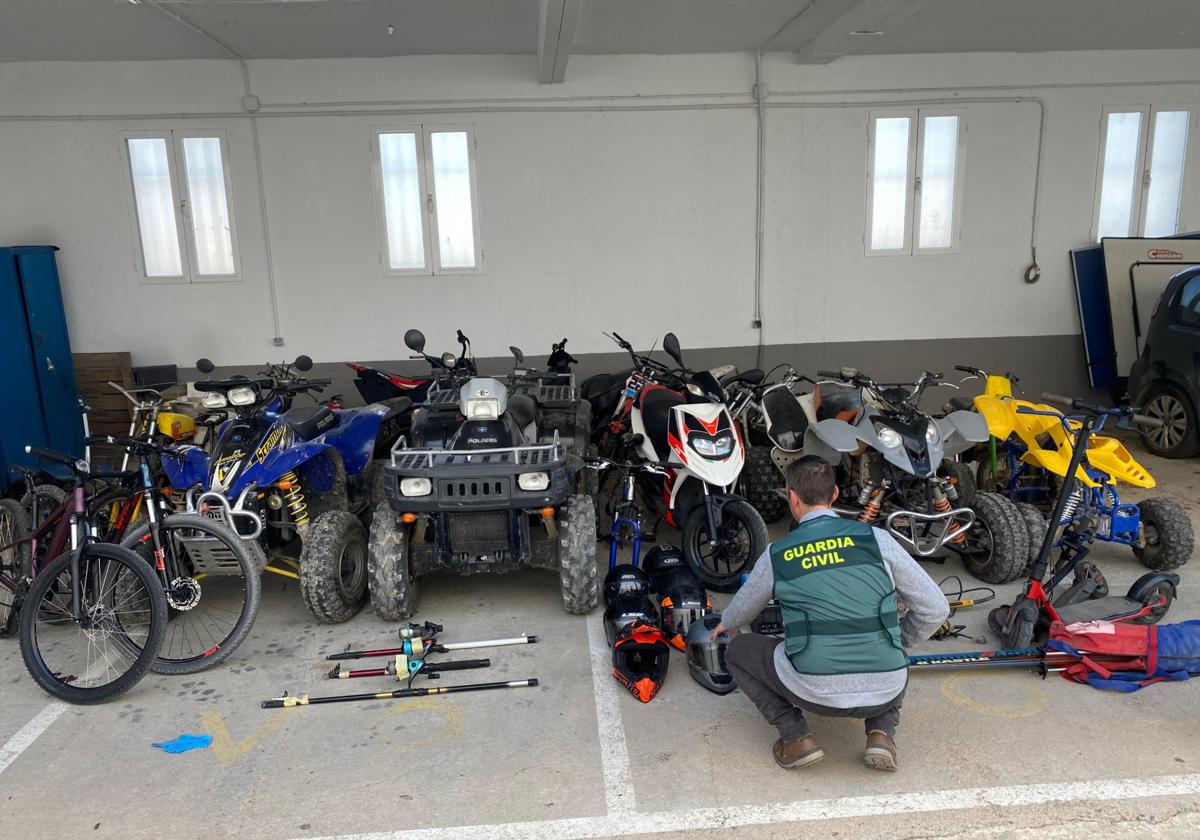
<point x="871" y="508"/>
<point x="942" y="505"/>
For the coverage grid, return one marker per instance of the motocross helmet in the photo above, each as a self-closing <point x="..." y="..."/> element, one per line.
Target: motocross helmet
<point x="640" y="658"/>
<point x="625" y="578"/>
<point x="706" y="657"/>
<point x="683" y="604"/>
<point x="624" y="610"/>
<point x="660" y="561"/>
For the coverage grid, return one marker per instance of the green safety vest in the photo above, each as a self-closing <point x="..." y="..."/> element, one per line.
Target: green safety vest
<point x="838" y="600"/>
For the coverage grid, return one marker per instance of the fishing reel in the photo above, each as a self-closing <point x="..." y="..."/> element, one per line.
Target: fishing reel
<point x="420" y="631"/>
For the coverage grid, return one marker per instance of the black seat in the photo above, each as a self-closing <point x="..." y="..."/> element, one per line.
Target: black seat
<point x="523" y="409"/>
<point x="960" y="403"/>
<point x="311" y="420"/>
<point x="656" y="404"/>
<point x="602" y="391"/>
<point x="789" y="422"/>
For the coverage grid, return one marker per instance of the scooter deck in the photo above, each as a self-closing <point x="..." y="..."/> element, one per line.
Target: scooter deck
<point x="1110" y="608"/>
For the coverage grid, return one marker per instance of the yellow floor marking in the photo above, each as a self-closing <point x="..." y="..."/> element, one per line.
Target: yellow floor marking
<point x="952" y="689"/>
<point x="448" y="731"/>
<point x="225" y="748"/>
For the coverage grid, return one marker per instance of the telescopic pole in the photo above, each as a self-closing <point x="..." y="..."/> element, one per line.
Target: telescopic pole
<point x="400" y="693"/>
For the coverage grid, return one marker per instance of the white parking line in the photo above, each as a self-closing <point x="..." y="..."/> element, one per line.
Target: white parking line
<point x="804" y="811"/>
<point x="29" y="733"/>
<point x="619" y="797"/>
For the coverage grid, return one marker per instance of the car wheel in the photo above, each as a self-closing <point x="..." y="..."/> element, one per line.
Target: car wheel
<point x="1177" y="436"/>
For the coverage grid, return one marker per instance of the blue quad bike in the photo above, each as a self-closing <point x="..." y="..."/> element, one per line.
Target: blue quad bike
<point x="293" y="481"/>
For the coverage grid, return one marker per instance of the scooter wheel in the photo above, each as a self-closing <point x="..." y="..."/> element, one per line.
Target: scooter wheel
<point x="1020" y="634"/>
<point x="1152" y="596"/>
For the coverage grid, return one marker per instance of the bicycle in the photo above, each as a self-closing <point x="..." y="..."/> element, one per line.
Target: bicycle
<point x="91" y="619"/>
<point x="627" y="513"/>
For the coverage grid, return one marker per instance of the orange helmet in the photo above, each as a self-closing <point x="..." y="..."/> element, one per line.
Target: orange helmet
<point x="640" y="658"/>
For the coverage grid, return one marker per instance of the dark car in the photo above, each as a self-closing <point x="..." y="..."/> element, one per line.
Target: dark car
<point x="1165" y="379"/>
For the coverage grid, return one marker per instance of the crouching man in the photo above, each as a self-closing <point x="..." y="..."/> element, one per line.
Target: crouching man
<point x="842" y="653"/>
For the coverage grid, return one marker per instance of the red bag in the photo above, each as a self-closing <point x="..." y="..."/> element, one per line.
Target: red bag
<point x="1104" y="648"/>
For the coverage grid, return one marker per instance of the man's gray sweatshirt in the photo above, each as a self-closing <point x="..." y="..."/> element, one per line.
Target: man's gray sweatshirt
<point x="927" y="609"/>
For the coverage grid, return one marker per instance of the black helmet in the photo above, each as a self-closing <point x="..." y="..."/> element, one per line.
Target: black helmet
<point x="626" y="609"/>
<point x="640" y="658"/>
<point x="661" y="561"/>
<point x="706" y="657"/>
<point x="682" y="604"/>
<point x="623" y="579"/>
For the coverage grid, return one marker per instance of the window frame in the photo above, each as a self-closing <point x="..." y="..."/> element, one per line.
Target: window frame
<point x="428" y="186"/>
<point x="913" y="194"/>
<point x="180" y="194"/>
<point x="1145" y="155"/>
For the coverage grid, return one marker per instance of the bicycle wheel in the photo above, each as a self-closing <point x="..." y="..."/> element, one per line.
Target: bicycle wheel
<point x="214" y="600"/>
<point x="104" y="509"/>
<point x="14" y="562"/>
<point x="123" y="614"/>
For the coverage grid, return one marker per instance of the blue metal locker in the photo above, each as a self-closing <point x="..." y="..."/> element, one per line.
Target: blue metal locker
<point x="37" y="375"/>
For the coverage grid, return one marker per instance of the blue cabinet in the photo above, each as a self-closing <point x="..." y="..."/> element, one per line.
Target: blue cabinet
<point x="37" y="377"/>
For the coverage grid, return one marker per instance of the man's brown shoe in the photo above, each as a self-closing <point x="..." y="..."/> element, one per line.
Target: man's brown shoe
<point x="881" y="751"/>
<point x="798" y="753"/>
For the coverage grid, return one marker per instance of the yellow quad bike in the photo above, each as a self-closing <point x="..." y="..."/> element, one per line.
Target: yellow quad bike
<point x="1029" y="454"/>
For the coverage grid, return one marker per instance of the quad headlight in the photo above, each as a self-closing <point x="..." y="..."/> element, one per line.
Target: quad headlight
<point x="532" y="481"/>
<point x="713" y="447"/>
<point x="888" y="437"/>
<point x="214" y="399"/>
<point x="695" y="389"/>
<point x="241" y="396"/>
<point x="932" y="435"/>
<point x="415" y="486"/>
<point x="482" y="408"/>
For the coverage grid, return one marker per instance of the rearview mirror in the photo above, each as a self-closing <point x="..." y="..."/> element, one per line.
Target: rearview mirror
<point x="517" y="354"/>
<point x="205" y="366"/>
<point x="414" y="340"/>
<point x="303" y="363"/>
<point x="671" y="345"/>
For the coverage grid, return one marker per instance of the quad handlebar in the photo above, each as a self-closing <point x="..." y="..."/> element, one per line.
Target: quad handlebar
<point x="1124" y="412"/>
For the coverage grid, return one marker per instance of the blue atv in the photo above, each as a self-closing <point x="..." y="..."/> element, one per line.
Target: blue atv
<point x="293" y="481"/>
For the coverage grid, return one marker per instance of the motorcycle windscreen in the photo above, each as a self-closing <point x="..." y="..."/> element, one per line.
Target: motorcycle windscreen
<point x="703" y="438"/>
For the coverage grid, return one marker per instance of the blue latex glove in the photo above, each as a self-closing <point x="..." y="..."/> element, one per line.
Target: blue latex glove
<point x="184" y="743"/>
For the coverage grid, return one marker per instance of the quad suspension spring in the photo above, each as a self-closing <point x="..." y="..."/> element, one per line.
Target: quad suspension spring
<point x="293" y="499"/>
<point x="942" y="505"/>
<point x="871" y="508"/>
<point x="1071" y="506"/>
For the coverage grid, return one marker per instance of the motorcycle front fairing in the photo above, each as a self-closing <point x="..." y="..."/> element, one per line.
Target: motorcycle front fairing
<point x="703" y="440"/>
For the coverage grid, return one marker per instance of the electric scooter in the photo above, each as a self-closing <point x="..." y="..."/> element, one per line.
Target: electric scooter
<point x="1087" y="598"/>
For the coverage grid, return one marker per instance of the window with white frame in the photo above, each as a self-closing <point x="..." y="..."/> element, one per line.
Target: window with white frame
<point x="182" y="205"/>
<point x="429" y="211"/>
<point x="1139" y="181"/>
<point x="914" y="182"/>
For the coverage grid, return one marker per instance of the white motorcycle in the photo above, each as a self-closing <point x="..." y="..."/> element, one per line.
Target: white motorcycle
<point x="677" y="419"/>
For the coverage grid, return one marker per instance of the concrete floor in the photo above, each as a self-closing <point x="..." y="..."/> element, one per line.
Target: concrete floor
<point x="996" y="755"/>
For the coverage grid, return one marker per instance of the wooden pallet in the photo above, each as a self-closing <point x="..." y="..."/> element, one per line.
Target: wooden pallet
<point x="110" y="412"/>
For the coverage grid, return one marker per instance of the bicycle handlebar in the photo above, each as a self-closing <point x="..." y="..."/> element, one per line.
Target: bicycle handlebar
<point x="51" y="456"/>
<point x="1080" y="405"/>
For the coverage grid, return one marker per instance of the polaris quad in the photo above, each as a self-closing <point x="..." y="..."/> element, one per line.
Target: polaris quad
<point x="492" y="479"/>
<point x="889" y="454"/>
<point x="293" y="480"/>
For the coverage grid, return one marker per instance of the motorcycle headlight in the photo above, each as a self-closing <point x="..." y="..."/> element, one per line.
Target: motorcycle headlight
<point x="713" y="448"/>
<point x="889" y="437"/>
<point x="533" y="481"/>
<point x="214" y="399"/>
<point x="241" y="396"/>
<point x="415" y="486"/>
<point x="932" y="435"/>
<point x="483" y="408"/>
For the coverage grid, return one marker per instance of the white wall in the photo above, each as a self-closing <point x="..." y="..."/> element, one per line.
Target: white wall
<point x="638" y="220"/>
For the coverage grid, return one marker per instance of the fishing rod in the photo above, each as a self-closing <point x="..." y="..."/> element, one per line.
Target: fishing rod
<point x="1040" y="658"/>
<point x="286" y="702"/>
<point x="420" y="645"/>
<point x="404" y="668"/>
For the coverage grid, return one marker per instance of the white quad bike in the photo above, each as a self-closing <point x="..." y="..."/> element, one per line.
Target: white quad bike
<point x="895" y="465"/>
<point x="678" y="420"/>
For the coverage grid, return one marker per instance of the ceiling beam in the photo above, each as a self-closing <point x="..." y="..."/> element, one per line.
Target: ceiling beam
<point x="556" y="37"/>
<point x="834" y="40"/>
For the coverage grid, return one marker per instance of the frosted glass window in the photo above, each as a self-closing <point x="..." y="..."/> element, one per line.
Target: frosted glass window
<point x="207" y="207"/>
<point x="452" y="182"/>
<point x="1166" y="173"/>
<point x="150" y="168"/>
<point x="1120" y="177"/>
<point x="939" y="162"/>
<point x="400" y="171"/>
<point x="889" y="183"/>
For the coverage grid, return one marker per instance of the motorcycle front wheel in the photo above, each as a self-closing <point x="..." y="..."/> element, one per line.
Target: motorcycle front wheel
<point x="741" y="538"/>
